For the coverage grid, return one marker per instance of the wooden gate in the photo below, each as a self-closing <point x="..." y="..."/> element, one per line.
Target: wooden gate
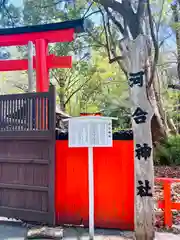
<point x="27" y="145"/>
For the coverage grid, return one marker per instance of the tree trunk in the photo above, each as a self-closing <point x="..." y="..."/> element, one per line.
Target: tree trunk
<point x="168" y="124"/>
<point x="136" y="55"/>
<point x="61" y="94"/>
<point x="159" y="127"/>
<point x="176" y="20"/>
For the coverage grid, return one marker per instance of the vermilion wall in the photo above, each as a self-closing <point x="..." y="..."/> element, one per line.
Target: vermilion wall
<point x="114" y="185"/>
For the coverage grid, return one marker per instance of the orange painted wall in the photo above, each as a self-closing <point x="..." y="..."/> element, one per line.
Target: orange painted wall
<point x="114" y="185"/>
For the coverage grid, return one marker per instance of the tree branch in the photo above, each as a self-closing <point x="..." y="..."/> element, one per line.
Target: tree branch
<point x="95" y="39"/>
<point x="50" y="5"/>
<point x="71" y="70"/>
<point x="8" y="14"/>
<point x="155" y="43"/>
<point x="118" y="24"/>
<point x="109" y="50"/>
<point x="140" y="10"/>
<point x="116" y="58"/>
<point x="165" y="38"/>
<point x="88" y="9"/>
<point x="177" y="21"/>
<point x="141" y="7"/>
<point x="19" y="86"/>
<point x="160" y="17"/>
<point x="92" y="14"/>
<point x="114" y="5"/>
<point x="79" y="88"/>
<point x="174" y="86"/>
<point x="126" y="11"/>
<point x="106" y="34"/>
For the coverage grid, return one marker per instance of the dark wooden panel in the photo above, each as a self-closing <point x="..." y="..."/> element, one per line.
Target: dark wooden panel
<point x="24" y="199"/>
<point x="27" y="157"/>
<point x="25" y="135"/>
<point x="24" y="149"/>
<point x="24" y="174"/>
<point x="26" y="214"/>
<point x="28" y="184"/>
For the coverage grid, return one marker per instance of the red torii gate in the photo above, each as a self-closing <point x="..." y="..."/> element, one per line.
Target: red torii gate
<point x="40" y="35"/>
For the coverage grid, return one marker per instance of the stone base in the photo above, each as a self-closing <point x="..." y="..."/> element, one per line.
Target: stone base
<point x="45" y="233"/>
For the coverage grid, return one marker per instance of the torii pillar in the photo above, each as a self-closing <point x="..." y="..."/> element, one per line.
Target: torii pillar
<point x="42" y="73"/>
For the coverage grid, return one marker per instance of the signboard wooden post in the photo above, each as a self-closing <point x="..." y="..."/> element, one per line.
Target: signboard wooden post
<point x="90" y="131"/>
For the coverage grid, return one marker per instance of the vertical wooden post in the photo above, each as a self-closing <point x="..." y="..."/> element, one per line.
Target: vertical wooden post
<point x="30" y="66"/>
<point x="42" y="78"/>
<point x="167" y="204"/>
<point x="136" y="54"/>
<point x="51" y="128"/>
<point x="42" y="75"/>
<point x="30" y="80"/>
<point x="91" y="192"/>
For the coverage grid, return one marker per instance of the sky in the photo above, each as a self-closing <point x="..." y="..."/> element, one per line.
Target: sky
<point x="17" y="2"/>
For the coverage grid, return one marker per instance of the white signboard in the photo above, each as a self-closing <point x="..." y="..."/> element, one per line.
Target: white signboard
<point x="89" y="131"/>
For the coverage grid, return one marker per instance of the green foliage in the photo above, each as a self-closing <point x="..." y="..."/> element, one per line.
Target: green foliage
<point x="9" y="15"/>
<point x="168" y="152"/>
<point x="175" y="26"/>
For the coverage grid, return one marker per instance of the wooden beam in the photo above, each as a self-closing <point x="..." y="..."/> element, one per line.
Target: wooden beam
<point x="23" y="39"/>
<point x="77" y="25"/>
<point x="174" y="205"/>
<point x="59" y="62"/>
<point x="167" y="180"/>
<point x="23" y="187"/>
<point x="21" y="65"/>
<point x="24" y="161"/>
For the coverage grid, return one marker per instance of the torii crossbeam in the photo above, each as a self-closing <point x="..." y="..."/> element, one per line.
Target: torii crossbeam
<point x="40" y="35"/>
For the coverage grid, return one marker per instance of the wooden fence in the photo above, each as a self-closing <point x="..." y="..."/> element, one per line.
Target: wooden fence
<point x="27" y="156"/>
<point x="24" y="112"/>
<point x="167" y="203"/>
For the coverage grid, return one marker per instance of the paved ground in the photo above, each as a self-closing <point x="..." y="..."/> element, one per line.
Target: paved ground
<point x="76" y="234"/>
<point x="167" y="236"/>
<point x="12" y="230"/>
<point x="15" y="231"/>
<point x="80" y="233"/>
